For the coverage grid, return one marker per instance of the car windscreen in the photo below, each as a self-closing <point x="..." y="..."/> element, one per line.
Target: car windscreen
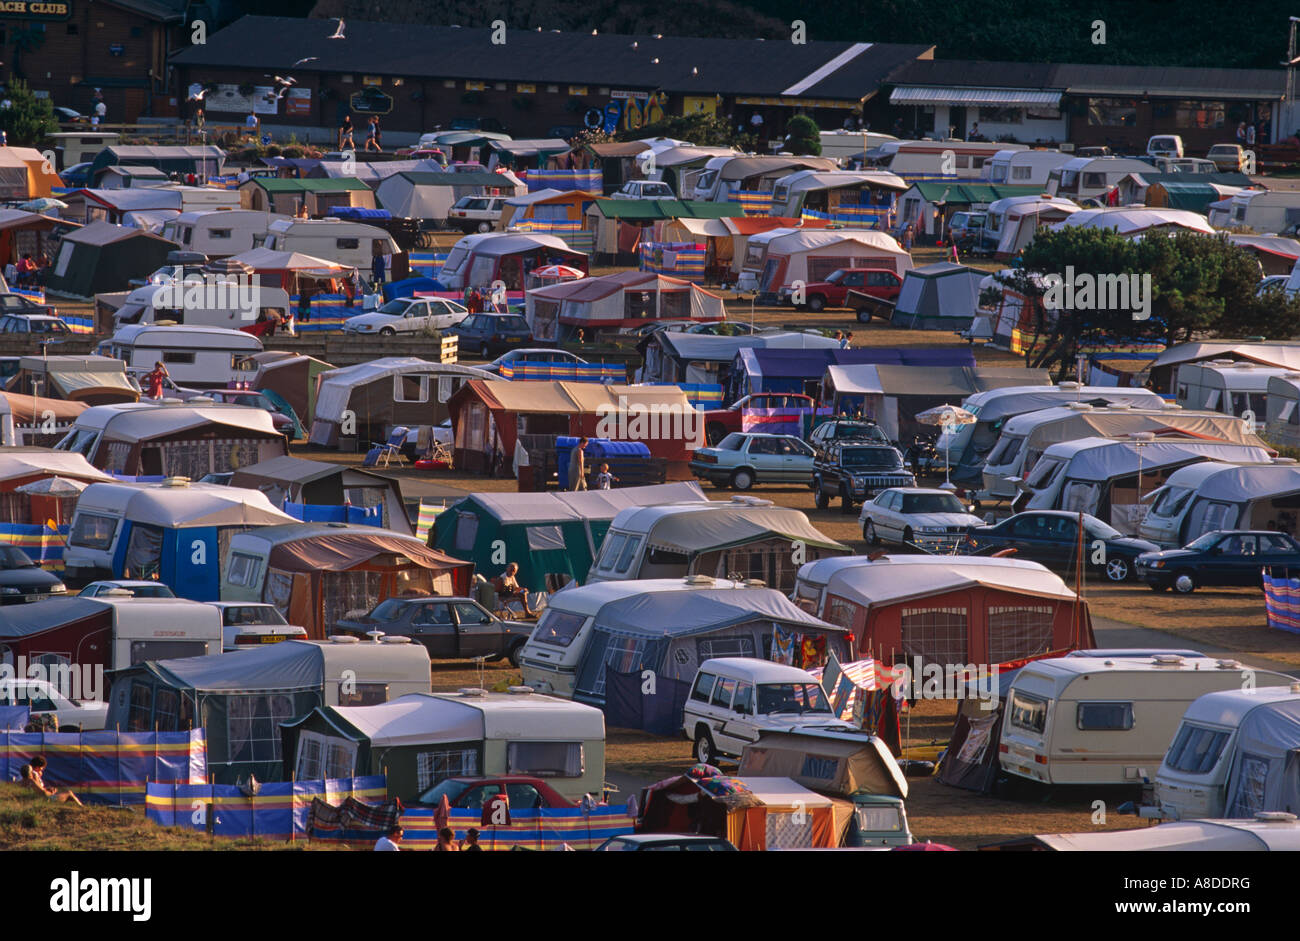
<point x="11" y="557"/>
<point x="873" y="458"/>
<point x="931" y="503"/>
<point x="1206" y="541"/>
<point x="387" y="610"/>
<point x="846" y="429"/>
<point x="791" y="697"/>
<point x="395" y="307"/>
<point x="449" y="788"/>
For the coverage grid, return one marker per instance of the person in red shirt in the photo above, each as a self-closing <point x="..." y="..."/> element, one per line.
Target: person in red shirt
<point x="155" y="380"/>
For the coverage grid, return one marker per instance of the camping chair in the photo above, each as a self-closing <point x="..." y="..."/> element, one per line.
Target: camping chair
<point x="382" y="453"/>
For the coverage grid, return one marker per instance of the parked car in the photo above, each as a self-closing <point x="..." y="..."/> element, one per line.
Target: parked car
<point x="34" y="324"/>
<point x="930" y="518"/>
<point x="476" y="213"/>
<point x="522" y="791"/>
<point x="449" y="628"/>
<point x="489" y="333"/>
<point x="965" y="229"/>
<point x="643" y="189"/>
<point x="847" y="429"/>
<point x="1051" y="537"/>
<point x="833" y="292"/>
<point x="742" y="460"/>
<point x="65" y="115"/>
<point x="22" y="580"/>
<point x="285" y="423"/>
<point x="42" y="697"/>
<point x="408" y="315"/>
<point x="1228" y="158"/>
<point x="23" y="305"/>
<point x="1219" y="558"/>
<point x="733" y="700"/>
<point x="77" y="175"/>
<point x="720" y="422"/>
<point x="671" y="842"/>
<point x="250" y="624"/>
<point x="137" y="587"/>
<point x="856" y="471"/>
<point x="532" y="355"/>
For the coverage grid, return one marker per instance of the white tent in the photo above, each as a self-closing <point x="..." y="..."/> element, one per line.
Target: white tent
<point x="429" y="195"/>
<point x="481" y="259"/>
<point x="624" y="299"/>
<point x="1138" y="220"/>
<point x="779" y="257"/>
<point x="1014" y="220"/>
<point x="193" y="505"/>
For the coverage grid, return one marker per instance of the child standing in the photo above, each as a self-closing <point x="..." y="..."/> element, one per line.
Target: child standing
<point x="605" y="480"/>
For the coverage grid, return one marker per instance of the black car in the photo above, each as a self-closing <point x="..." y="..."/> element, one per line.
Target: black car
<point x="843" y="429"/>
<point x="1051" y="538"/>
<point x="449" y="628"/>
<point x="1219" y="558"/>
<point x="489" y="333"/>
<point x="855" y="471"/>
<point x="22" y="580"/>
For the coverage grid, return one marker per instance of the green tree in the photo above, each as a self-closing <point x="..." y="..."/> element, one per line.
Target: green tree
<point x="28" y="120"/>
<point x="802" y="136"/>
<point x="706" y="130"/>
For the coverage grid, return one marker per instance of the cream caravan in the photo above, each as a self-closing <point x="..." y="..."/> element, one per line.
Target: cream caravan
<point x="937" y="159"/>
<point x="336" y="240"/>
<point x="219" y="233"/>
<point x="1024" y="167"/>
<point x="1092" y="177"/>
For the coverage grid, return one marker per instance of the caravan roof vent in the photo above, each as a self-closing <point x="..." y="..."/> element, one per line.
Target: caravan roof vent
<point x="1221" y="362"/>
<point x="1244" y="364"/>
<point x="520" y="690"/>
<point x="1291" y="375"/>
<point x="1295" y="688"/>
<point x="1285" y="460"/>
<point x="1229" y="664"/>
<point x="344" y="639"/>
<point x="200" y="400"/>
<point x="1117" y="406"/>
<point x="1167" y="660"/>
<point x="1079" y="406"/>
<point x="1142" y="436"/>
<point x="170" y="401"/>
<point x="176" y="482"/>
<point x="1275" y="816"/>
<point x="751" y="501"/>
<point x="471" y="692"/>
<point x="701" y="581"/>
<point x="1069" y="384"/>
<point x="394" y="639"/>
<point x="1108" y="663"/>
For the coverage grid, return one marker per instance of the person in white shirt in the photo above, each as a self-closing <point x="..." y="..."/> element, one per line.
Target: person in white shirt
<point x="388" y="842"/>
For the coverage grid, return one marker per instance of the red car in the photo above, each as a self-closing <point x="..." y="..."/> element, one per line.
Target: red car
<point x="833" y="292"/>
<point x="720" y="422"/>
<point x="523" y="792"/>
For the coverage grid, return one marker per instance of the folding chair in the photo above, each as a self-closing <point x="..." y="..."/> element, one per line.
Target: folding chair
<point x="382" y="453"/>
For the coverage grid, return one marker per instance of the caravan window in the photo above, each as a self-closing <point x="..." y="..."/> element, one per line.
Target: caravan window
<point x="1104" y="716"/>
<point x="628" y="554"/>
<point x="347" y="243"/>
<point x="558" y="628"/>
<point x="142" y="650"/>
<point x="545" y="759"/>
<point x="243" y="569"/>
<point x="93" y="531"/>
<point x="176" y="356"/>
<point x="413" y="388"/>
<point x="1171" y="502"/>
<point x="1028" y="712"/>
<point x="212" y="233"/>
<point x="1005" y="451"/>
<point x="364" y="694"/>
<point x="610" y="550"/>
<point x="1043" y="474"/>
<point x="1196" y="749"/>
<point x="433" y="768"/>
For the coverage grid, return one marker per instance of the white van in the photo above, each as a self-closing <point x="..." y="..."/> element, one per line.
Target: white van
<point x="735" y="699"/>
<point x="1164" y="145"/>
<point x="337" y="240"/>
<point x="219" y="233"/>
<point x="1084" y="719"/>
<point x="1243" y="737"/>
<point x="194" y="356"/>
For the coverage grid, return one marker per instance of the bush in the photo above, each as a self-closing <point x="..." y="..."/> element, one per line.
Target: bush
<point x="28" y="120"/>
<point x="802" y="136"/>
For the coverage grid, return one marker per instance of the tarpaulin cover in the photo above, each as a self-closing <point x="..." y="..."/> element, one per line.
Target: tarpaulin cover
<point x="107" y="767"/>
<point x="14" y="718"/>
<point x="836" y="766"/>
<point x="731" y="526"/>
<point x="628" y="706"/>
<point x="681" y="613"/>
<point x="290" y="665"/>
<point x="353" y="515"/>
<point x="279" y="811"/>
<point x="339" y="552"/>
<point x="1265" y="761"/>
<point x="541" y="829"/>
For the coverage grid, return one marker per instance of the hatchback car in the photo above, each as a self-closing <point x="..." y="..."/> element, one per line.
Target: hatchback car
<point x="21" y="579"/>
<point x="522" y="791"/>
<point x="449" y="628"/>
<point x="489" y="333"/>
<point x="44" y="697"/>
<point x="670" y="842"/>
<point x="1220" y="558"/>
<point x="33" y="324"/>
<point x="932" y="519"/>
<point x="22" y="304"/>
<point x="1051" y="538"/>
<point x="476" y="213"/>
<point x="742" y="460"/>
<point x="408" y="315"/>
<point x="834" y="291"/>
<point x="251" y="624"/>
<point x="643" y="189"/>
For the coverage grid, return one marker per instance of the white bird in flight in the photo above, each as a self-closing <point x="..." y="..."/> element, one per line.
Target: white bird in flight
<point x="308" y="59"/>
<point x="199" y="95"/>
<point x="338" y="33"/>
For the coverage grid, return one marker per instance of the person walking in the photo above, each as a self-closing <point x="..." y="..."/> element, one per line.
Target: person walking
<point x="377" y="268"/>
<point x="345" y="134"/>
<point x="578" y="466"/>
<point x="372" y="134"/>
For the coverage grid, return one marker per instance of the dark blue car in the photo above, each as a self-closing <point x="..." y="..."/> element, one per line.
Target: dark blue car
<point x="489" y="333"/>
<point x="1051" y="538"/>
<point x="1221" y="558"/>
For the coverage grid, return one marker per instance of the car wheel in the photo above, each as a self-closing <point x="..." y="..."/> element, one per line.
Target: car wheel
<point x="714" y="433"/>
<point x="742" y="479"/>
<point x="816" y="303"/>
<point x="387" y="332"/>
<point x="705" y="751"/>
<point x="821" y="498"/>
<point x="1184" y="583"/>
<point x="1118" y="570"/>
<point x="869" y="533"/>
<point x="864" y="316"/>
<point x="485" y="226"/>
<point x="846" y="500"/>
<point x="516" y="652"/>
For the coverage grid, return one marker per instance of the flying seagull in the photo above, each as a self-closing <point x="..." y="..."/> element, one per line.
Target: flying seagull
<point x="285" y="81"/>
<point x="338" y="33"/>
<point x="199" y="95"/>
<point x="308" y="59"/>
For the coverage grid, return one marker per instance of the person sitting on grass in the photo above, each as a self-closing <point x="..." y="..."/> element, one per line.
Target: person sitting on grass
<point x="507" y="587"/>
<point x="34" y="779"/>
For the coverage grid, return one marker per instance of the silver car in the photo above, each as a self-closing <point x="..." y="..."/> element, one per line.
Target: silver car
<point x="741" y="460"/>
<point x="931" y="519"/>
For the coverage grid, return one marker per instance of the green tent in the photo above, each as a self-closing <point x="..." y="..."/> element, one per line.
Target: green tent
<point x="103" y="257"/>
<point x="553" y="536"/>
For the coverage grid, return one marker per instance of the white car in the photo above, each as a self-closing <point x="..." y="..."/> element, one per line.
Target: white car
<point x="931" y="519"/>
<point x="735" y="699"/>
<point x="408" y="315"/>
<point x="643" y="189"/>
<point x="247" y="624"/>
<point x="41" y="696"/>
<point x="476" y="213"/>
<point x="138" y="588"/>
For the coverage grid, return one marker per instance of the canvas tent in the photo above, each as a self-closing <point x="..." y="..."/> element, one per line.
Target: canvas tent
<point x="102" y="257"/>
<point x="480" y="260"/>
<point x="624" y="300"/>
<point x="23" y="233"/>
<point x="20" y="466"/>
<point x="970" y="761"/>
<point x="942" y="296"/>
<point x="326" y="484"/>
<point x="286" y="270"/>
<point x="241" y="698"/>
<point x="420" y="739"/>
<point x="290" y="376"/>
<point x="24" y="418"/>
<point x="25" y="174"/>
<point x="428" y="196"/>
<point x="762" y="369"/>
<point x="834" y="191"/>
<point x="838" y="765"/>
<point x="114" y="205"/>
<point x="545" y="205"/>
<point x="678" y="356"/>
<point x="395" y="390"/>
<point x="203" y="161"/>
<point x="554" y="537"/>
<point x="317" y="574"/>
<point x="1137" y="220"/>
<point x="319" y="196"/>
<point x="618" y="225"/>
<point x="777" y="258"/>
<point x="95" y="380"/>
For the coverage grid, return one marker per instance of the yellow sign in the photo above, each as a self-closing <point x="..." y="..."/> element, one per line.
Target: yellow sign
<point x="526" y="89"/>
<point x="475" y="86"/>
<point x="692" y="104"/>
<point x="34" y="10"/>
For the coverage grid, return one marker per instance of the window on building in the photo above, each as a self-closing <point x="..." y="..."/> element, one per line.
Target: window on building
<point x="1002" y="115"/>
<point x="1200" y="114"/>
<point x="1112" y="112"/>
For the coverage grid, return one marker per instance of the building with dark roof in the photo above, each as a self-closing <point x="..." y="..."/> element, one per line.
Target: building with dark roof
<point x="418" y="77"/>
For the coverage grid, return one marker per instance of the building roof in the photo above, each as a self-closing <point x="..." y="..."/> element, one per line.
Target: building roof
<point x="816" y="69"/>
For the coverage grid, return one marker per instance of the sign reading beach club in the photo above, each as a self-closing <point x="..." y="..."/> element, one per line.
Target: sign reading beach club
<point x="34" y="10"/>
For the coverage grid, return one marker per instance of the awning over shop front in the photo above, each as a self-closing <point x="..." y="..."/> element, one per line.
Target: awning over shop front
<point x="995" y="97"/>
